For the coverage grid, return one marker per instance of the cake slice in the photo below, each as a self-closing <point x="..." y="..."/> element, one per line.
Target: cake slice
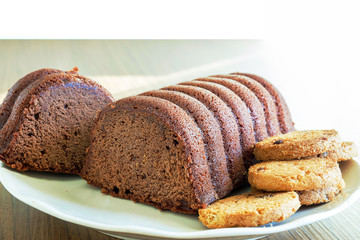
<point x="150" y="150"/>
<point x="49" y="124"/>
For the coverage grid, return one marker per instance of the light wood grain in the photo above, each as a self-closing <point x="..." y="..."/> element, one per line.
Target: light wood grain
<point x="95" y="58"/>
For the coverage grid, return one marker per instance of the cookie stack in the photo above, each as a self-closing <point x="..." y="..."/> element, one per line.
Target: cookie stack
<point x="302" y="161"/>
<point x="297" y="168"/>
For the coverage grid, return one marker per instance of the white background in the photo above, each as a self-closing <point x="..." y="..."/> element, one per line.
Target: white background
<point x="311" y="47"/>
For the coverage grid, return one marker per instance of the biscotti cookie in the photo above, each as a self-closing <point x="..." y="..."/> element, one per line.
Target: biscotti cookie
<point x="346" y="151"/>
<point x="297" y="144"/>
<point x="313" y="173"/>
<point x="316" y="196"/>
<point x="322" y="195"/>
<point x="250" y="210"/>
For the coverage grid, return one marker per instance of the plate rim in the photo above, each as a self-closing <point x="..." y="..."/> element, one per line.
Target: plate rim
<point x="198" y="234"/>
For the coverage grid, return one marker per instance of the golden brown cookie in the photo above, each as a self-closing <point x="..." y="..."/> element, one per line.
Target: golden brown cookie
<point x="297" y="144"/>
<point x="346" y="151"/>
<point x="316" y="196"/>
<point x="299" y="175"/>
<point x="250" y="210"/>
<point x="327" y="194"/>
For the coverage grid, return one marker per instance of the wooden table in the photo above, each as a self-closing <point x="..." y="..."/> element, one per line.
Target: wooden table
<point x="128" y="58"/>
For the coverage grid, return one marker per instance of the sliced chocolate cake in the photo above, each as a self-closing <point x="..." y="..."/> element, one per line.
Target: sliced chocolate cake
<point x="183" y="146"/>
<point x="46" y="120"/>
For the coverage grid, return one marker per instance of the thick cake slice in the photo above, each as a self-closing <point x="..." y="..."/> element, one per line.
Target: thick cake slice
<point x="228" y="126"/>
<point x="150" y="150"/>
<point x="286" y="123"/>
<point x="211" y="133"/>
<point x="48" y="128"/>
<point x="266" y="100"/>
<point x="243" y="117"/>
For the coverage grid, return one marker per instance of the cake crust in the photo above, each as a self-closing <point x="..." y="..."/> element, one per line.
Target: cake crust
<point x="284" y="117"/>
<point x="251" y="101"/>
<point x="243" y="118"/>
<point x="228" y="126"/>
<point x="267" y="102"/>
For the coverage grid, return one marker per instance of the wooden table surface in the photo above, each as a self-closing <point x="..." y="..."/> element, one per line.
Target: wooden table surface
<point x="127" y="58"/>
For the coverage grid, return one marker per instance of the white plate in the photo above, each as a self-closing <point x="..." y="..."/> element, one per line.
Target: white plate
<point x="70" y="198"/>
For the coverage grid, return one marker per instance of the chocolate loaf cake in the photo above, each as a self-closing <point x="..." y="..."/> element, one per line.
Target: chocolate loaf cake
<point x="183" y="146"/>
<point x="46" y="119"/>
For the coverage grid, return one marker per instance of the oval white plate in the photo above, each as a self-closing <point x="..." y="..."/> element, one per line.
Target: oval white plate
<point x="70" y="198"/>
